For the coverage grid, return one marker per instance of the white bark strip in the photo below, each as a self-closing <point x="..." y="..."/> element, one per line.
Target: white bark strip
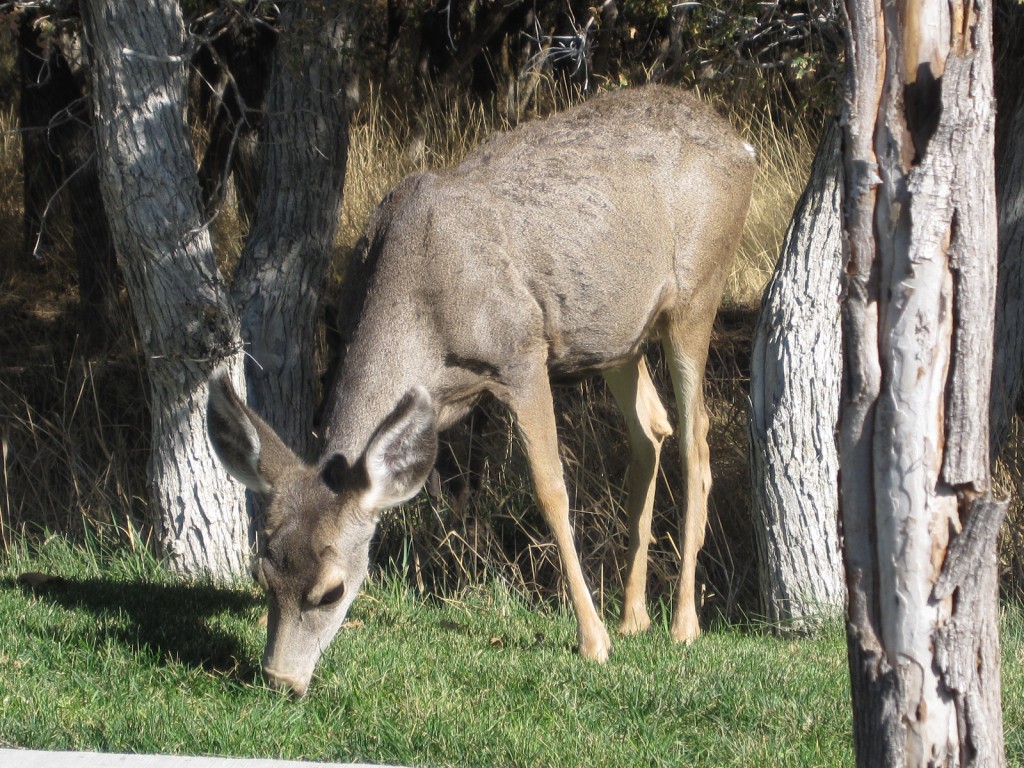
<point x="795" y="380"/>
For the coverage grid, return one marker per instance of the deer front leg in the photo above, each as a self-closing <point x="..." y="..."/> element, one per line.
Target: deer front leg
<point x="535" y="416"/>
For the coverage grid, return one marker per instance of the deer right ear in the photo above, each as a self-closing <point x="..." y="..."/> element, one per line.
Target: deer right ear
<point x="401" y="452"/>
<point x="249" y="449"/>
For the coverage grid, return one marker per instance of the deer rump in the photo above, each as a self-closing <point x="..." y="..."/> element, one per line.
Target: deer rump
<point x="555" y="250"/>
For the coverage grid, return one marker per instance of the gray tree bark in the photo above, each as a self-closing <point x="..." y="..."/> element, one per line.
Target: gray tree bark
<point x="795" y="378"/>
<point x="187" y="327"/>
<point x="1008" y="362"/>
<point x="283" y="269"/>
<point x="919" y="529"/>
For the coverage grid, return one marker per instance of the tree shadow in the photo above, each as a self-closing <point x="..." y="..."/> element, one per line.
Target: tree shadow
<point x="174" y="623"/>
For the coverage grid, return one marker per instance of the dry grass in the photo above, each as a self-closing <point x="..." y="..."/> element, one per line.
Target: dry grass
<point x="1008" y="481"/>
<point x="73" y="427"/>
<point x="10" y="194"/>
<point x="785" y="164"/>
<point x="385" y="147"/>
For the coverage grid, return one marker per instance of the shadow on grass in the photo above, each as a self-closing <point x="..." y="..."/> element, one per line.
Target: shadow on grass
<point x="176" y="623"/>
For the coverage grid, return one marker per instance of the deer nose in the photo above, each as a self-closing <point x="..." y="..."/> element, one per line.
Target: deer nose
<point x="286" y="683"/>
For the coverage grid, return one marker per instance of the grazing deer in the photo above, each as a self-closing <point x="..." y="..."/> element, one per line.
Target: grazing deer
<point x="554" y="250"/>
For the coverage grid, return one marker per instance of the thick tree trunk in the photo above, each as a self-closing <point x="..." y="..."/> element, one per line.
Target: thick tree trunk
<point x="284" y="265"/>
<point x="186" y="326"/>
<point x="795" y="379"/>
<point x="918" y="529"/>
<point x="1008" y="363"/>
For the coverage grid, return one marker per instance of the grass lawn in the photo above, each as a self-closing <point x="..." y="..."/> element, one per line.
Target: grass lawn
<point x="116" y="656"/>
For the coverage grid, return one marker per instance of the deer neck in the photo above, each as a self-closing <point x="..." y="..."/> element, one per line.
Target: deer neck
<point x="376" y="373"/>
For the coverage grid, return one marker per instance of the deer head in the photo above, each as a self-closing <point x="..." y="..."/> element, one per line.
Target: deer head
<point x="314" y="550"/>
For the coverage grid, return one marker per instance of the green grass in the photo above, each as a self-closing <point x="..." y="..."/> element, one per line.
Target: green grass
<point x="117" y="656"/>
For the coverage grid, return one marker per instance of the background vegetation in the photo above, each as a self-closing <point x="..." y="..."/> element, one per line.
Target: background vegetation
<point x="73" y="447"/>
<point x="75" y="435"/>
<point x="74" y="419"/>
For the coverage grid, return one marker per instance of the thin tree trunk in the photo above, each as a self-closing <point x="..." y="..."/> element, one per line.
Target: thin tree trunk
<point x="186" y="326"/>
<point x="795" y="378"/>
<point x="284" y="264"/>
<point x="919" y="531"/>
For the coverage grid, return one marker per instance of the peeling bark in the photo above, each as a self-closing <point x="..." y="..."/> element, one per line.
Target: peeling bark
<point x="920" y="292"/>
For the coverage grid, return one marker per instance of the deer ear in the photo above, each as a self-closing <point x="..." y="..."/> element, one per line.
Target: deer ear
<point x="249" y="449"/>
<point x="401" y="452"/>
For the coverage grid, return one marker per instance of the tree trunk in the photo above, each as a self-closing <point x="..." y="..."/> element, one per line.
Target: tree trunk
<point x="284" y="264"/>
<point x="919" y="530"/>
<point x="1008" y="363"/>
<point x="186" y="326"/>
<point x="794" y="391"/>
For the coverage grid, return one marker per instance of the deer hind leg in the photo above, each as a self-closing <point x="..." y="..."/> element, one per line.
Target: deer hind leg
<point x="648" y="426"/>
<point x="686" y="353"/>
<point x="535" y="417"/>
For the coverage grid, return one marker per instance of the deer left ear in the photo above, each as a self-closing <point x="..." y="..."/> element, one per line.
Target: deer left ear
<point x="401" y="452"/>
<point x="248" y="448"/>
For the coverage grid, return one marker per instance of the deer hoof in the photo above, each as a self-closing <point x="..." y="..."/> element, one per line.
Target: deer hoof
<point x="596" y="648"/>
<point x="685" y="629"/>
<point x="634" y="622"/>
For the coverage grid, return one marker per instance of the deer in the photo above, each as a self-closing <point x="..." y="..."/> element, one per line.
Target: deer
<point x="557" y="250"/>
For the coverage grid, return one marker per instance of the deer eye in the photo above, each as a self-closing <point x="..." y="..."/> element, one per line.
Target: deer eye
<point x="333" y="595"/>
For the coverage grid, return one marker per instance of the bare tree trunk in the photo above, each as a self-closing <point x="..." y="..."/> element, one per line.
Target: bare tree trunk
<point x="1008" y="363"/>
<point x="186" y="325"/>
<point x="284" y="265"/>
<point x="795" y="377"/>
<point x="919" y="530"/>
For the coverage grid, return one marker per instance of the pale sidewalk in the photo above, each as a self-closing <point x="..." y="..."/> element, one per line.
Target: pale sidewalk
<point x="17" y="758"/>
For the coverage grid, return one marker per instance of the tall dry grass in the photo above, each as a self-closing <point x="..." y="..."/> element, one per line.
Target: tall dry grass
<point x="785" y="157"/>
<point x="73" y="426"/>
<point x="386" y="145"/>
<point x="1008" y="482"/>
<point x="10" y="194"/>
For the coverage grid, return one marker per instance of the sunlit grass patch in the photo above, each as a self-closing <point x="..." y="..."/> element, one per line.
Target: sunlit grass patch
<point x="134" y="661"/>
